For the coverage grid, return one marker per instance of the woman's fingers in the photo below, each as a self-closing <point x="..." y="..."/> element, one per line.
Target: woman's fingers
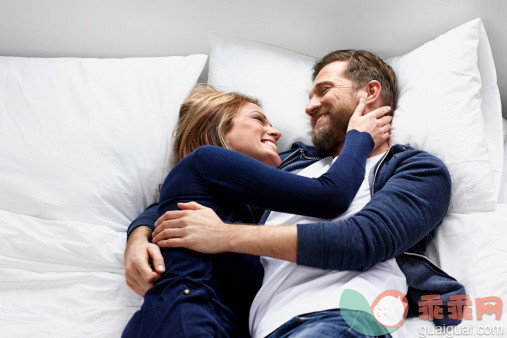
<point x="379" y="112"/>
<point x="385" y="120"/>
<point x="359" y="111"/>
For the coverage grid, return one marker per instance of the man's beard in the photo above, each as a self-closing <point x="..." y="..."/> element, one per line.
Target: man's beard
<point x="330" y="138"/>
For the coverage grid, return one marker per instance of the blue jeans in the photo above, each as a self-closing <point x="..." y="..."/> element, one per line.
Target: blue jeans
<point x="328" y="323"/>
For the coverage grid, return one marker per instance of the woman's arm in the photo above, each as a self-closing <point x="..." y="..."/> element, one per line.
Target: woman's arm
<point x="232" y="175"/>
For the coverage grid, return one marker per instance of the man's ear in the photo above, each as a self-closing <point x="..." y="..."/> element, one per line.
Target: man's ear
<point x="373" y="89"/>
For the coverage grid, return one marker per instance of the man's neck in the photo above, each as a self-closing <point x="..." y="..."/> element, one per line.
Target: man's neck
<point x="380" y="149"/>
<point x="376" y="151"/>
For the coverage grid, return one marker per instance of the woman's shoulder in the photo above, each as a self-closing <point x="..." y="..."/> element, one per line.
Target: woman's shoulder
<point x="207" y="151"/>
<point x="205" y="154"/>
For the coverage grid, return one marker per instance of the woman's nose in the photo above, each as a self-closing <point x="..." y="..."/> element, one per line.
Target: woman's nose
<point x="275" y="133"/>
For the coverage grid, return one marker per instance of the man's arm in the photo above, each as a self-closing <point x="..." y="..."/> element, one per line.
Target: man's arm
<point x="198" y="228"/>
<point x="147" y="218"/>
<point x="140" y="253"/>
<point x="409" y="206"/>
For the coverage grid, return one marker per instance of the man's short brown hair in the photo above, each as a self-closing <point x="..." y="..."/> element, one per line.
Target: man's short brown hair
<point x="362" y="67"/>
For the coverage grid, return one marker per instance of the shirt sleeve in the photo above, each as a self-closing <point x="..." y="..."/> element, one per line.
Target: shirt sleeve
<point x="402" y="214"/>
<point x="147" y="218"/>
<point x="236" y="176"/>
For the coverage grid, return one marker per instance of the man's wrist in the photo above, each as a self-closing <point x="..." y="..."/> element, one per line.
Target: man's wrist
<point x="142" y="232"/>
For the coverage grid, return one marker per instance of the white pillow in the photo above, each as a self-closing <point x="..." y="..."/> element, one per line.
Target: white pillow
<point x="439" y="107"/>
<point x="87" y="139"/>
<point x="278" y="77"/>
<point x="449" y="105"/>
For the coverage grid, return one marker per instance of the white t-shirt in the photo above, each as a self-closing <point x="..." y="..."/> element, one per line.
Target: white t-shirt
<point x="289" y="290"/>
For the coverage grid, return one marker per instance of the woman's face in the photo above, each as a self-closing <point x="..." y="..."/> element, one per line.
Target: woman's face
<point x="253" y="135"/>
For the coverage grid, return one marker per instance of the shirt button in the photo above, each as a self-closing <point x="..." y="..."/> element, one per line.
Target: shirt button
<point x="186" y="291"/>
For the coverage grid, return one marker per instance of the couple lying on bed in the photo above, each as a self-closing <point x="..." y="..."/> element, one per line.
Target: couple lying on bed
<point x="378" y="202"/>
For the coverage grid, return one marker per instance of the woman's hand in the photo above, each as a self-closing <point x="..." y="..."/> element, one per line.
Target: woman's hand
<point x="193" y="227"/>
<point x="374" y="122"/>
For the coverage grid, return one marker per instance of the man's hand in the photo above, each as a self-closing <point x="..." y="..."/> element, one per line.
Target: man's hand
<point x="198" y="228"/>
<point x="193" y="227"/>
<point x="139" y="253"/>
<point x="374" y="122"/>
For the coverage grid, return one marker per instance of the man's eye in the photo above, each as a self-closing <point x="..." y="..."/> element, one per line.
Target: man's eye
<point x="324" y="90"/>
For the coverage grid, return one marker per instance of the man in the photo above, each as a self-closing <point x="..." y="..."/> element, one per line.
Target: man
<point x="401" y="202"/>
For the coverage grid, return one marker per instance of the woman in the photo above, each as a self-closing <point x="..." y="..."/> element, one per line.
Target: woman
<point x="209" y="295"/>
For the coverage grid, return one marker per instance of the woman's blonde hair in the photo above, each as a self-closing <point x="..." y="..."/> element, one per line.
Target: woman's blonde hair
<point x="206" y="118"/>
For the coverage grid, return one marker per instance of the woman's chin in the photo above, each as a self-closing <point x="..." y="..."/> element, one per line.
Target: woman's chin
<point x="275" y="161"/>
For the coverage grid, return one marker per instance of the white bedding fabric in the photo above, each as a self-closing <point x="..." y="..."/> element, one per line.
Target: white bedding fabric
<point x="62" y="279"/>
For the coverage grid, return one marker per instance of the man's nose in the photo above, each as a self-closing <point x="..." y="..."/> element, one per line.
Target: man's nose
<point x="312" y="106"/>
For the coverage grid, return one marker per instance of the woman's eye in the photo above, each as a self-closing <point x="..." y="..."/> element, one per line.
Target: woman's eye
<point x="259" y="119"/>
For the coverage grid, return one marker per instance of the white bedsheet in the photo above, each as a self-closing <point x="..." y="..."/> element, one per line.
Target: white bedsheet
<point x="62" y="279"/>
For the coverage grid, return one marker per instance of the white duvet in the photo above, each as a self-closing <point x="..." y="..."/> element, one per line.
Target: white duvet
<point x="62" y="279"/>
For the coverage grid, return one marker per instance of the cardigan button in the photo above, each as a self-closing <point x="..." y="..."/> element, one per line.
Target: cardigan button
<point x="186" y="291"/>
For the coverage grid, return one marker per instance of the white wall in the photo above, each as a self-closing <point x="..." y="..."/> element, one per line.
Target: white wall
<point x="121" y="28"/>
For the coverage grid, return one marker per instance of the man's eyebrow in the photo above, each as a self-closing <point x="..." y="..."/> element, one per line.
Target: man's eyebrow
<point x="318" y="85"/>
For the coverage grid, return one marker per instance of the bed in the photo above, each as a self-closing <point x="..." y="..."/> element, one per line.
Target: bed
<point x="85" y="142"/>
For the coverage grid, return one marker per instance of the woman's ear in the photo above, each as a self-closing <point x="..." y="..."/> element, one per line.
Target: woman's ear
<point x="373" y="89"/>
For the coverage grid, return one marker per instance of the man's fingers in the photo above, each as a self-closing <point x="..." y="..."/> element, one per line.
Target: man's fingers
<point x="169" y="215"/>
<point x="145" y="274"/>
<point x="171" y="224"/>
<point x="168" y="233"/>
<point x="156" y="258"/>
<point x="190" y="206"/>
<point x="134" y="279"/>
<point x="360" y="107"/>
<point x="132" y="283"/>
<point x="171" y="243"/>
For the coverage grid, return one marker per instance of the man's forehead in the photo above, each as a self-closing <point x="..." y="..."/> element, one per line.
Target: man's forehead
<point x="333" y="70"/>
